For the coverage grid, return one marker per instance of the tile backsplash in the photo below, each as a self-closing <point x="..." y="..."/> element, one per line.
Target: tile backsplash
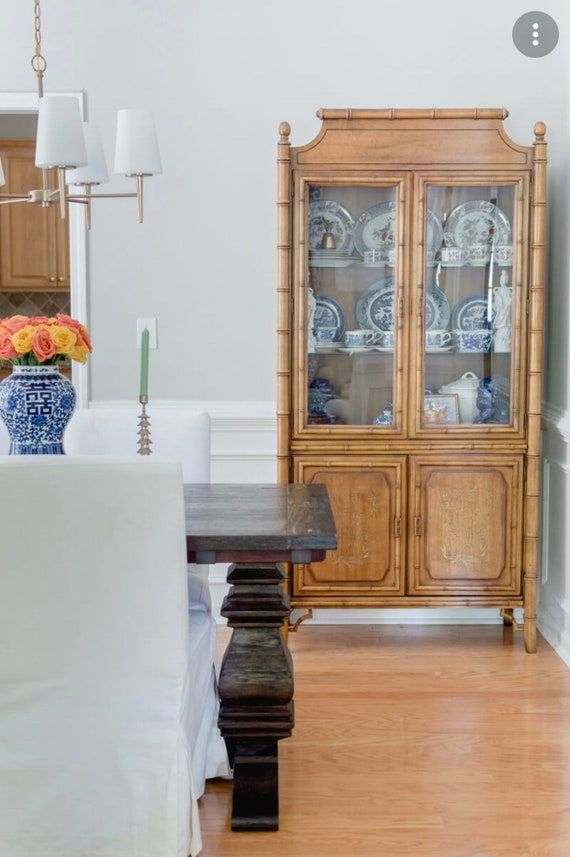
<point x="33" y="303"/>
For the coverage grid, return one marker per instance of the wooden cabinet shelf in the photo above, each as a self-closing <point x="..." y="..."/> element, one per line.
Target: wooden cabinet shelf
<point x="436" y="502"/>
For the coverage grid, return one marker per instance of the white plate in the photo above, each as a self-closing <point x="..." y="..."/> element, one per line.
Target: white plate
<point x="331" y="261"/>
<point x="326" y="349"/>
<point x="357" y="349"/>
<point x="444" y="350"/>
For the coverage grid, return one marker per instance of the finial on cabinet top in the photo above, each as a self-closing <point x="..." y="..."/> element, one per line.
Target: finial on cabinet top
<point x="539" y="130"/>
<point x="284" y="131"/>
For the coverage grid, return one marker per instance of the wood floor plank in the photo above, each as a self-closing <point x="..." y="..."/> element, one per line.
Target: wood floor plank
<point x="439" y="741"/>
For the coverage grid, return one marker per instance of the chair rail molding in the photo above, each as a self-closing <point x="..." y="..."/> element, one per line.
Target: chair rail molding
<point x="27" y="102"/>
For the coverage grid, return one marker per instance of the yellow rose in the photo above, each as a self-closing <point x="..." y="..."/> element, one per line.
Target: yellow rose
<point x="63" y="338"/>
<point x="79" y="353"/>
<point x="22" y="339"/>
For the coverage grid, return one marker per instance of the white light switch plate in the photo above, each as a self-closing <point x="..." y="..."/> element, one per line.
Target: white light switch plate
<point x="151" y="326"/>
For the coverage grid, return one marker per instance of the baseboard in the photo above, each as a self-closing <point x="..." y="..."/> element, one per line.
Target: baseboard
<point x="554" y="623"/>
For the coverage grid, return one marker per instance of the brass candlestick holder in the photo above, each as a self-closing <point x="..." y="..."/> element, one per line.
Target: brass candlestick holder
<point x="144" y="447"/>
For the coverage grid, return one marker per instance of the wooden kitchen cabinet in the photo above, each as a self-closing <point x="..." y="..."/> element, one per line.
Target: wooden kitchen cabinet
<point x="34" y="241"/>
<point x="421" y="234"/>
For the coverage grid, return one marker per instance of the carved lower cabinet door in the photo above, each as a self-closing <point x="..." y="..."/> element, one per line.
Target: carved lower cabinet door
<point x="368" y="502"/>
<point x="465" y="524"/>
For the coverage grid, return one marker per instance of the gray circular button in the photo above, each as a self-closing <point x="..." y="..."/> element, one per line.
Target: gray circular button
<point x="535" y="34"/>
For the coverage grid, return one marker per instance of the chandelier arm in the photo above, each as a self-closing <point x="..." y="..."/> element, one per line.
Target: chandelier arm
<point x="15" y="196"/>
<point x="84" y="198"/>
<point x="12" y="201"/>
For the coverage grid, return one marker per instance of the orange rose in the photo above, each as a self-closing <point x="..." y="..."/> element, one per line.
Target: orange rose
<point x="79" y="329"/>
<point x="85" y="336"/>
<point x="15" y="323"/>
<point x="22" y="339"/>
<point x="42" y="345"/>
<point x="39" y="319"/>
<point x="7" y="350"/>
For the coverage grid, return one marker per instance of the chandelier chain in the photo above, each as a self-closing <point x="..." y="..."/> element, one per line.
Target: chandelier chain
<point x="39" y="63"/>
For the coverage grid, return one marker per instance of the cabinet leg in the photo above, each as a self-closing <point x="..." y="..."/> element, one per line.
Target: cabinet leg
<point x="530" y="605"/>
<point x="507" y="614"/>
<point x="530" y="633"/>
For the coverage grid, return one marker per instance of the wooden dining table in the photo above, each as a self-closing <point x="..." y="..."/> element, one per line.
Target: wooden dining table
<point x="257" y="528"/>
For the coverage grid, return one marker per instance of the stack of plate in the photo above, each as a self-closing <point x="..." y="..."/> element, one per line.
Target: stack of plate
<point x="329" y="259"/>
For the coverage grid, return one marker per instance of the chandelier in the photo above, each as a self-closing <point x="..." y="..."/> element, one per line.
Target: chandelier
<point x="73" y="148"/>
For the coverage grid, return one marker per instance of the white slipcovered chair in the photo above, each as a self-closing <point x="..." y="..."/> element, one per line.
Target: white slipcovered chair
<point x="102" y="698"/>
<point x="181" y="434"/>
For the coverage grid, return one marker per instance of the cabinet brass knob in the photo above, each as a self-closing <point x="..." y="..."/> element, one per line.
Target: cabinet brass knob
<point x="52" y="279"/>
<point x="60" y="279"/>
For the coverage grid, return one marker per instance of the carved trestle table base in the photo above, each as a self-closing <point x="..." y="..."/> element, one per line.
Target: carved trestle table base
<point x="257" y="527"/>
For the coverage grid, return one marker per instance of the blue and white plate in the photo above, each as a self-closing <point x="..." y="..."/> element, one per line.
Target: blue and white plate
<point x="478" y="222"/>
<point x="329" y="313"/>
<point x="375" y="229"/>
<point x="326" y="215"/>
<point x="438" y="310"/>
<point x="471" y="314"/>
<point x="375" y="306"/>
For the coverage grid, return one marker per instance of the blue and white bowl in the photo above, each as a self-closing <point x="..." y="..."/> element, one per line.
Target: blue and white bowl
<point x="475" y="341"/>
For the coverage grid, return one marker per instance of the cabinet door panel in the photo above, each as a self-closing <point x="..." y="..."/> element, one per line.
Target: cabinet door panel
<point x="465" y="532"/>
<point x="27" y="232"/>
<point x="367" y="502"/>
<point x="470" y="266"/>
<point x="350" y="274"/>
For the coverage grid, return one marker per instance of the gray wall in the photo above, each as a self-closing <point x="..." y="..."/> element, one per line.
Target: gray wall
<point x="219" y="76"/>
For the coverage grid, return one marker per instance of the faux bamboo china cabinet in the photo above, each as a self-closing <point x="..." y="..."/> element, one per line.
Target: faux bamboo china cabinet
<point x="410" y="293"/>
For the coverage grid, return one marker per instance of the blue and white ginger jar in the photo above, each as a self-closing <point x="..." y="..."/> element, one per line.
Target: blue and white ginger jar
<point x="36" y="404"/>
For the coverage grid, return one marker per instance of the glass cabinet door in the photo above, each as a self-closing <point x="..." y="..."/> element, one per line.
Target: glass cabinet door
<point x="353" y="240"/>
<point x="469" y="308"/>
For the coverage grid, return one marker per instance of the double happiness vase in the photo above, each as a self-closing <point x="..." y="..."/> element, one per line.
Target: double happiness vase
<point x="36" y="401"/>
<point x="36" y="404"/>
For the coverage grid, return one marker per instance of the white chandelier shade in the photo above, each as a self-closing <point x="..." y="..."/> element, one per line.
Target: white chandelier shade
<point x="136" y="149"/>
<point x="60" y="142"/>
<point x="2" y="179"/>
<point x="95" y="171"/>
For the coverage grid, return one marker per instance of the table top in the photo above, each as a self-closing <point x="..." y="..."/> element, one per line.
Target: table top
<point x="221" y="518"/>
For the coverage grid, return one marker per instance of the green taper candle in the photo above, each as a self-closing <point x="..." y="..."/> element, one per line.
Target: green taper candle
<point x="144" y="362"/>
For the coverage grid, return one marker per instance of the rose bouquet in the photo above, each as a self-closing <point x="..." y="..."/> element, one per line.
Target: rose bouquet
<point x="42" y="341"/>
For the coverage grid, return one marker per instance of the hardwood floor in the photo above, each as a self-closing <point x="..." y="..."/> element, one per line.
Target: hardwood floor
<point x="439" y="741"/>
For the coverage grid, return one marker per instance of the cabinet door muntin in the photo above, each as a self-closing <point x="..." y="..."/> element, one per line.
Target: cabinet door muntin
<point x="357" y="385"/>
<point x="469" y="312"/>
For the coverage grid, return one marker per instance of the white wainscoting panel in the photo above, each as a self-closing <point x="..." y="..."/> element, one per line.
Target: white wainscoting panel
<point x="554" y="602"/>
